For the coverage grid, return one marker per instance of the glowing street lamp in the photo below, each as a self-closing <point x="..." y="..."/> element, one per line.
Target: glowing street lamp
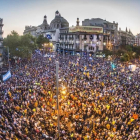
<point x="104" y="43"/>
<point x="77" y="41"/>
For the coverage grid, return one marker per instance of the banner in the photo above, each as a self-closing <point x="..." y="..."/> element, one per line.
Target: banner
<point x="46" y="55"/>
<point x="6" y="76"/>
<point x="88" y="29"/>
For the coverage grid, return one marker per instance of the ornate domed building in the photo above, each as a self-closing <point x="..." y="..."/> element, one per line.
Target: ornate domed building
<point x="53" y="30"/>
<point x="58" y="22"/>
<point x="44" y="25"/>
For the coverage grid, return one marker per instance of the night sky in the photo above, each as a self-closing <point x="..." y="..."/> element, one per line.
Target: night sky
<point x="17" y="14"/>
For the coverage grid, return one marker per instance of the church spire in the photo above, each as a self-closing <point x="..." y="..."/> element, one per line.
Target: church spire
<point x="126" y="29"/>
<point x="45" y="20"/>
<point x="77" y="22"/>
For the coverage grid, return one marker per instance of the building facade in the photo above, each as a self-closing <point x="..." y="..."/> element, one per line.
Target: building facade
<point x="67" y="40"/>
<point x="126" y="37"/>
<point x="80" y="39"/>
<point x="1" y="43"/>
<point x="53" y="29"/>
<point x="137" y="40"/>
<point x="110" y="31"/>
<point x="36" y="31"/>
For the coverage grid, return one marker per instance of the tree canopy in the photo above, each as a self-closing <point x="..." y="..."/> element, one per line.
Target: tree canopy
<point x="23" y="45"/>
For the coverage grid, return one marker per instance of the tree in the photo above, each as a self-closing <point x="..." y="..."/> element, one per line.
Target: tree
<point x="12" y="41"/>
<point x="107" y="52"/>
<point x="20" y="46"/>
<point x="41" y="40"/>
<point x="29" y="41"/>
<point x="128" y="48"/>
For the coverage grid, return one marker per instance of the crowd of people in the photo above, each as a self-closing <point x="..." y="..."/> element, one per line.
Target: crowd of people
<point x="96" y="101"/>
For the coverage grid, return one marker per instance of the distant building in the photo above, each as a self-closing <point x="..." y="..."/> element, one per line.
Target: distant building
<point x="1" y="43"/>
<point x="35" y="31"/>
<point x="110" y="31"/>
<point x="53" y="29"/>
<point x="137" y="40"/>
<point x="80" y="39"/>
<point x="126" y="37"/>
<point x="63" y="36"/>
<point x="58" y="22"/>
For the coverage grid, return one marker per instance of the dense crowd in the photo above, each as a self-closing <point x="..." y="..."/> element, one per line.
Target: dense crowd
<point x="96" y="101"/>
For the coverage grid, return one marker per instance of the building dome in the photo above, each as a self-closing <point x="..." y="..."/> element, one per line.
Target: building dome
<point x="58" y="22"/>
<point x="44" y="25"/>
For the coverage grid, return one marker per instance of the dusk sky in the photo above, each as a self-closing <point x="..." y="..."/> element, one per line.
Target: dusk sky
<point x="17" y="14"/>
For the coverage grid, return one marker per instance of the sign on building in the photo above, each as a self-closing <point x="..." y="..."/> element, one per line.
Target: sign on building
<point x="87" y="29"/>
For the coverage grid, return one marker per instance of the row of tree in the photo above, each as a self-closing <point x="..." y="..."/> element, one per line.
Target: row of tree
<point x="125" y="53"/>
<point x="23" y="45"/>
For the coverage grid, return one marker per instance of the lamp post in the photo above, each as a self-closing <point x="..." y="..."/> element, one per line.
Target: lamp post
<point x="77" y="44"/>
<point x="60" y="45"/>
<point x="8" y="58"/>
<point x="96" y="48"/>
<point x="63" y="52"/>
<point x="58" y="120"/>
<point x="72" y="42"/>
<point x="104" y="43"/>
<point x="31" y="58"/>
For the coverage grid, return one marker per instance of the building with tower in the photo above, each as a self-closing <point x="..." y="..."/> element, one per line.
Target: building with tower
<point x="58" y="22"/>
<point x="35" y="31"/>
<point x="80" y="39"/>
<point x="110" y="31"/>
<point x="137" y="40"/>
<point x="45" y="29"/>
<point x="1" y="43"/>
<point x="94" y="34"/>
<point x="126" y="37"/>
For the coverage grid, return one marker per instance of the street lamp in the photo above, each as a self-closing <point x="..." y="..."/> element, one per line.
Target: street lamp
<point x="104" y="43"/>
<point x="77" y="41"/>
<point x="58" y="120"/>
<point x="59" y="44"/>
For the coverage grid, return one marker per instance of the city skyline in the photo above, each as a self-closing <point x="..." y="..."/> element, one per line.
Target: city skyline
<point x="18" y="15"/>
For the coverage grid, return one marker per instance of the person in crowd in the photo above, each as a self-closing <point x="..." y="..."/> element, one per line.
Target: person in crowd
<point x="96" y="101"/>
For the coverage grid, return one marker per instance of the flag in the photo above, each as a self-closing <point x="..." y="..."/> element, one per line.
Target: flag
<point x="88" y="74"/>
<point x="102" y="84"/>
<point x="85" y="67"/>
<point x="25" y="66"/>
<point x="135" y="116"/>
